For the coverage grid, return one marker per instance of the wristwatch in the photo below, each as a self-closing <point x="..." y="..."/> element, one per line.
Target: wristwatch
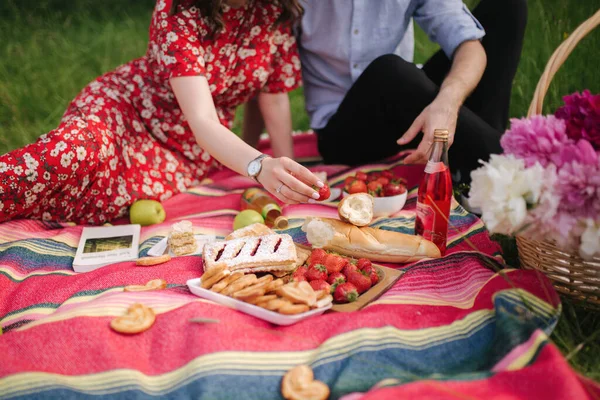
<point x="255" y="166"/>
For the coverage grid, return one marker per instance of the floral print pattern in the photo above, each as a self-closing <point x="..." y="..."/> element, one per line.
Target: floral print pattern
<point x="124" y="136"/>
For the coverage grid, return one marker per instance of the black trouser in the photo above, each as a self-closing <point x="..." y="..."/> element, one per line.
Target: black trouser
<point x="388" y="96"/>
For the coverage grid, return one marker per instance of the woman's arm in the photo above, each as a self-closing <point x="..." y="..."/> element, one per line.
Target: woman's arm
<point x="195" y="100"/>
<point x="467" y="69"/>
<point x="275" y="110"/>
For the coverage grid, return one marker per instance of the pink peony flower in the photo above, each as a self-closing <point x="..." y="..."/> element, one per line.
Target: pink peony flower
<point x="537" y="139"/>
<point x="578" y="187"/>
<point x="582" y="115"/>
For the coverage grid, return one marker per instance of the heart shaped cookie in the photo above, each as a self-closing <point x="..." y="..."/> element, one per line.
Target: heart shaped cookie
<point x="137" y="319"/>
<point x="299" y="384"/>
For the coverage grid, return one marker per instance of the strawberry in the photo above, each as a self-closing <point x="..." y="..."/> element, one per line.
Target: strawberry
<point x="336" y="278"/>
<point x="317" y="257"/>
<point x="349" y="180"/>
<point x="320" y="284"/>
<point x="374" y="175"/>
<point x="371" y="272"/>
<point x="361" y="176"/>
<point x="324" y="193"/>
<point x="375" y="188"/>
<point x="335" y="263"/>
<point x="360" y="280"/>
<point x="387" y="174"/>
<point x="345" y="293"/>
<point x="349" y="268"/>
<point x="383" y="180"/>
<point x="363" y="262"/>
<point x="374" y="276"/>
<point x="316" y="272"/>
<point x="300" y="274"/>
<point x="357" y="187"/>
<point x="394" y="189"/>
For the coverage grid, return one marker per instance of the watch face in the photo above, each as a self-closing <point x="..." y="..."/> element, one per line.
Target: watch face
<point x="254" y="168"/>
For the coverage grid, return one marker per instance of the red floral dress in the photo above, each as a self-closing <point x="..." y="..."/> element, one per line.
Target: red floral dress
<point x="124" y="136"/>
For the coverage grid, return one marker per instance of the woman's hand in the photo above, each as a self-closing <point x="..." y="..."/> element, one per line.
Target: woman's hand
<point x="289" y="181"/>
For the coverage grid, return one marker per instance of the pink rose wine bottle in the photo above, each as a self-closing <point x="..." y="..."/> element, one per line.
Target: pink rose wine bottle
<point x="435" y="194"/>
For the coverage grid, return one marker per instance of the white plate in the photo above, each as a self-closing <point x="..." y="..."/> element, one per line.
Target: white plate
<point x="270" y="316"/>
<point x="159" y="248"/>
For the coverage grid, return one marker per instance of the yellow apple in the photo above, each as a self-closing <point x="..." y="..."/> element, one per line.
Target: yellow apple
<point x="146" y="212"/>
<point x="247" y="217"/>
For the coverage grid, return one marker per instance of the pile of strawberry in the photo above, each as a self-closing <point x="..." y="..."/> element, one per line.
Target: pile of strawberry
<point x="377" y="183"/>
<point x="343" y="277"/>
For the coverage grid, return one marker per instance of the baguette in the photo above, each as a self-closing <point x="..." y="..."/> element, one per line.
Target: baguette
<point x="375" y="244"/>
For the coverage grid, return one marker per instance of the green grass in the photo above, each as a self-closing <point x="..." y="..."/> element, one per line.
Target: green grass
<point x="52" y="48"/>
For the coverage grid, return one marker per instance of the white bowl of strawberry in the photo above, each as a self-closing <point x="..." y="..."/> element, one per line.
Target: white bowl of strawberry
<point x="388" y="190"/>
<point x="345" y="278"/>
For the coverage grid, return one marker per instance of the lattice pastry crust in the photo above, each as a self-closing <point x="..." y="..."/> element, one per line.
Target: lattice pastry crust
<point x="252" y="254"/>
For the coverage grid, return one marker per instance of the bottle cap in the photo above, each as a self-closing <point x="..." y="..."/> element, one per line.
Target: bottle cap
<point x="440" y="134"/>
<point x="280" y="222"/>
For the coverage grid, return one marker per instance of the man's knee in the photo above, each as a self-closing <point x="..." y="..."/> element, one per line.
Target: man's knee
<point x="398" y="74"/>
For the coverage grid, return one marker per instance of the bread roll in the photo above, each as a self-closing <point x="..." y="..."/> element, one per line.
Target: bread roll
<point x="374" y="244"/>
<point x="357" y="209"/>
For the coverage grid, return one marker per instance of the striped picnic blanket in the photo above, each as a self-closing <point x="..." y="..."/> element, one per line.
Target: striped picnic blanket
<point x="458" y="327"/>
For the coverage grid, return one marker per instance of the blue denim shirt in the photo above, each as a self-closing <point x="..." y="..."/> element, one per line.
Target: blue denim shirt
<point x="338" y="39"/>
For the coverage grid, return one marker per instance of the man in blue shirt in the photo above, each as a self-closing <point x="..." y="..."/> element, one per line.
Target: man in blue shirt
<point x="367" y="101"/>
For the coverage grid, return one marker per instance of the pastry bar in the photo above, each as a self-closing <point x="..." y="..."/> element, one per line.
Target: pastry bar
<point x="181" y="239"/>
<point x="252" y="254"/>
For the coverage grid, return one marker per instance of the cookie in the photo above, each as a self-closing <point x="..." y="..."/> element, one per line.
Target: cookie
<point x="258" y="289"/>
<point x="228" y="280"/>
<point x="137" y="319"/>
<point x="150" y="261"/>
<point x="154" y="284"/>
<point x="274" y="286"/>
<point x="239" y="284"/>
<point x="262" y="299"/>
<point x="298" y="293"/>
<point x="292" y="309"/>
<point x="299" y="384"/>
<point x="275" y="304"/>
<point x="207" y="283"/>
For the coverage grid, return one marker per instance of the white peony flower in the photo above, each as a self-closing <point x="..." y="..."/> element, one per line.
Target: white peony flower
<point x="590" y="240"/>
<point x="504" y="190"/>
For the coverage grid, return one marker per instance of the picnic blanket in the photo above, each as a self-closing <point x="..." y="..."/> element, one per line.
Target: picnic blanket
<point x="464" y="326"/>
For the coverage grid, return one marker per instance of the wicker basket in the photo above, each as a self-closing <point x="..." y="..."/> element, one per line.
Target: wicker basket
<point x="572" y="276"/>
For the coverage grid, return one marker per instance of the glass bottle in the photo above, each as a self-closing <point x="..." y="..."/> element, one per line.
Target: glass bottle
<point x="435" y="194"/>
<point x="258" y="200"/>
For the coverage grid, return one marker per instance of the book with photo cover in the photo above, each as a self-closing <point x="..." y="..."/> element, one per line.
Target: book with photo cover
<point x="101" y="246"/>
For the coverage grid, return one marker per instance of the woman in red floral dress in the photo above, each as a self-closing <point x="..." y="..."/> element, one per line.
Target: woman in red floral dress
<point x="161" y="123"/>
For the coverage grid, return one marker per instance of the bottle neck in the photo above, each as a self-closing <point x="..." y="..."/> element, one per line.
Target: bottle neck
<point x="439" y="152"/>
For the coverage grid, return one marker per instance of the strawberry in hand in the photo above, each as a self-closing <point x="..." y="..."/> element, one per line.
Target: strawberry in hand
<point x="324" y="192"/>
<point x="345" y="293"/>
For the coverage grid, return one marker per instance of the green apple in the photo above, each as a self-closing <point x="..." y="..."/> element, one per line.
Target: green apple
<point x="146" y="212"/>
<point x="247" y="217"/>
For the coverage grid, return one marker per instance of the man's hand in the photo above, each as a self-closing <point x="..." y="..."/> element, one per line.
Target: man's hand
<point x="440" y="114"/>
<point x="466" y="71"/>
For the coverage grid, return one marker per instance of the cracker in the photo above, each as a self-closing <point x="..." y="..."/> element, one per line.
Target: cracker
<point x="150" y="261"/>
